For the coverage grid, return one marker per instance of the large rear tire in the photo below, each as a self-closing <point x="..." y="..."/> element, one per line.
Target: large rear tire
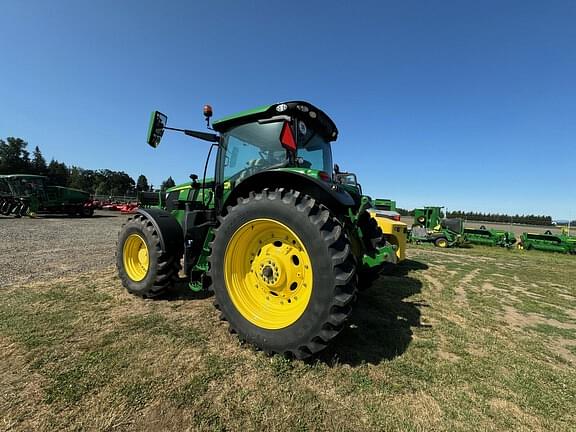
<point x="143" y="268"/>
<point x="282" y="272"/>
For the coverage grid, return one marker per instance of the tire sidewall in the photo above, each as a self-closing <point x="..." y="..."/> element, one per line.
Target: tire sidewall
<point x="318" y="308"/>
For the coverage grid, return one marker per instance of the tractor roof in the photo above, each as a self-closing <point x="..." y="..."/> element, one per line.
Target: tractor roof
<point x="313" y="116"/>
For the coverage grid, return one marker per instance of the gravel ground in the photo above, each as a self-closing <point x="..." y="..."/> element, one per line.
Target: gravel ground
<point x="49" y="247"/>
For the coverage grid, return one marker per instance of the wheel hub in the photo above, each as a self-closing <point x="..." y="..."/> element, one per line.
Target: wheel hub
<point x="269" y="270"/>
<point x="268" y="273"/>
<point x="135" y="257"/>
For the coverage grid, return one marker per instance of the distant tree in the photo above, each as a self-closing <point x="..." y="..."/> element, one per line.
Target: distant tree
<point x="101" y="183"/>
<point x="75" y="179"/>
<point x="168" y="183"/>
<point x="14" y="158"/>
<point x="142" y="183"/>
<point x="109" y="182"/>
<point x="122" y="183"/>
<point x="58" y="173"/>
<point x="82" y="179"/>
<point x="38" y="162"/>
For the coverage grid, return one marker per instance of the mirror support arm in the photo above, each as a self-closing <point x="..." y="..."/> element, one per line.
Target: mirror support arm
<point x="200" y="135"/>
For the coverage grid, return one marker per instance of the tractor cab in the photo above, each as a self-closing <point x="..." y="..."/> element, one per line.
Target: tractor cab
<point x="287" y="135"/>
<point x="25" y="185"/>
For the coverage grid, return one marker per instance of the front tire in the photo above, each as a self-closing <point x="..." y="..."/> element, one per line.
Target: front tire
<point x="143" y="268"/>
<point x="441" y="242"/>
<point x="282" y="272"/>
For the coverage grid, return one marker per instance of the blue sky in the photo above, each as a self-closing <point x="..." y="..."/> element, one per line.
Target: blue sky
<point x="467" y="104"/>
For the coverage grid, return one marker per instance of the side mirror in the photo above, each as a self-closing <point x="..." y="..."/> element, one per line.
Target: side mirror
<point x="156" y="128"/>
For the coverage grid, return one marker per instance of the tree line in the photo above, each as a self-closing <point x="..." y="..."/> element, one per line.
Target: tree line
<point x="502" y="218"/>
<point x="16" y="159"/>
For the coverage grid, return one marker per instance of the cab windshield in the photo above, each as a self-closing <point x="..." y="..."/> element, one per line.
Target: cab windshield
<point x="313" y="149"/>
<point x="254" y="147"/>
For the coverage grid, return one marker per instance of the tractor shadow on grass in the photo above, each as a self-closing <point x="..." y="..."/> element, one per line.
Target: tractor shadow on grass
<point x="382" y="320"/>
<point x="181" y="291"/>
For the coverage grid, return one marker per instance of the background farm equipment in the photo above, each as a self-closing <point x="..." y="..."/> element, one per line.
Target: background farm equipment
<point x="430" y="227"/>
<point x="548" y="242"/>
<point x="387" y="208"/>
<point x="151" y="199"/>
<point x="385" y="204"/>
<point x="272" y="234"/>
<point x="30" y="195"/>
<point x="490" y="237"/>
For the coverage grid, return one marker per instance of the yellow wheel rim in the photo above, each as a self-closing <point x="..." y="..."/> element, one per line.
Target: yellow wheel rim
<point x="135" y="256"/>
<point x="442" y="243"/>
<point x="268" y="274"/>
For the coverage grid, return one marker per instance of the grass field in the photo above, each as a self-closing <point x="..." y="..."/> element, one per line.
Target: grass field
<point x="474" y="339"/>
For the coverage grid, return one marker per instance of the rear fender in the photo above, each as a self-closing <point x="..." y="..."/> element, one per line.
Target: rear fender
<point x="167" y="227"/>
<point x="331" y="195"/>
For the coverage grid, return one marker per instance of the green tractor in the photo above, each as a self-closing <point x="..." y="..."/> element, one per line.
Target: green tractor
<point x="430" y="227"/>
<point x="272" y="234"/>
<point x="29" y="194"/>
<point x="490" y="237"/>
